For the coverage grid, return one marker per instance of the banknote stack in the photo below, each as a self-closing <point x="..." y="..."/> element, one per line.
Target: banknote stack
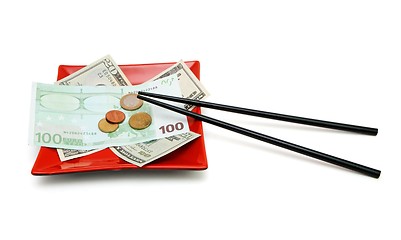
<point x="75" y="115"/>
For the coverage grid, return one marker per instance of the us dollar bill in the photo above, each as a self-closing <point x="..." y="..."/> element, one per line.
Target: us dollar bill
<point x="144" y="153"/>
<point x="103" y="72"/>
<point x="190" y="85"/>
<point x="68" y="154"/>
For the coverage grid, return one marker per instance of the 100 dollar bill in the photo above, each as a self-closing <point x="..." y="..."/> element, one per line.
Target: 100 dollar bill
<point x="68" y="116"/>
<point x="103" y="72"/>
<point x="190" y="85"/>
<point x="146" y="152"/>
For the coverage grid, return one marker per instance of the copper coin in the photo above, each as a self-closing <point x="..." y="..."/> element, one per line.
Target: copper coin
<point x="130" y="102"/>
<point x="140" y="120"/>
<point x="107" y="127"/>
<point x="115" y="116"/>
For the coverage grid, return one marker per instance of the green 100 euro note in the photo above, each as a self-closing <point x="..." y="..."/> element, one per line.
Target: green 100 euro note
<point x="68" y="116"/>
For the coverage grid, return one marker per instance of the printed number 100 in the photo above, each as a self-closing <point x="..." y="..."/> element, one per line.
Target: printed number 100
<point x="47" y="138"/>
<point x="171" y="128"/>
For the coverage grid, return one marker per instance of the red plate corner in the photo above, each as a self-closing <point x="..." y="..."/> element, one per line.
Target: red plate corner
<point x="191" y="156"/>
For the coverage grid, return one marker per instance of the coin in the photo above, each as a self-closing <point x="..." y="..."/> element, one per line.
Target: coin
<point x="140" y="120"/>
<point x="115" y="116"/>
<point x="107" y="127"/>
<point x="130" y="102"/>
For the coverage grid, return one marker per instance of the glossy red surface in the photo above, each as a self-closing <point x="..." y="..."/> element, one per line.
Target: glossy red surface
<point x="189" y="157"/>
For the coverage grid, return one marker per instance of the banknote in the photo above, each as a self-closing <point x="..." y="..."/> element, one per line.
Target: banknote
<point x="68" y="154"/>
<point x="190" y="85"/>
<point x="68" y="116"/>
<point x="146" y="152"/>
<point x="103" y="72"/>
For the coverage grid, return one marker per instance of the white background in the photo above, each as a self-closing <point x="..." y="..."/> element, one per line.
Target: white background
<point x="332" y="60"/>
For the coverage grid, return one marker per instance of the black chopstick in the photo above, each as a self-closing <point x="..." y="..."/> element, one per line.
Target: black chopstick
<point x="270" y="115"/>
<point x="265" y="138"/>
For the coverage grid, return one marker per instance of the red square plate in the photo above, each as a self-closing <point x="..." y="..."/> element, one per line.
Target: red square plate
<point x="191" y="156"/>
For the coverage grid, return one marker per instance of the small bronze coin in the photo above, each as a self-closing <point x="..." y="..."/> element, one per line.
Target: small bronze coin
<point x="130" y="102"/>
<point x="115" y="116"/>
<point x="140" y="120"/>
<point x="107" y="127"/>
